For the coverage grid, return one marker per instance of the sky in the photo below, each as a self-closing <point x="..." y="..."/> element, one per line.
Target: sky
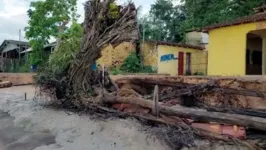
<point x="13" y="16"/>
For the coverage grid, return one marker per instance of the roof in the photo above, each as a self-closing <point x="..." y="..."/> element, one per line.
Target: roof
<point x="177" y="44"/>
<point x="248" y="19"/>
<point x="260" y="9"/>
<point x="194" y="30"/>
<point x="53" y="44"/>
<point x="20" y="43"/>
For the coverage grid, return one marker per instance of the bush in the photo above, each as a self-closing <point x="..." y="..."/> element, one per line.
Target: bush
<point x="25" y="68"/>
<point x="131" y="64"/>
<point x="199" y="74"/>
<point x="147" y="69"/>
<point x="116" y="71"/>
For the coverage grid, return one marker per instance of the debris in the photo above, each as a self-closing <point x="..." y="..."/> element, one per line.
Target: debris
<point x="176" y="102"/>
<point x="5" y="84"/>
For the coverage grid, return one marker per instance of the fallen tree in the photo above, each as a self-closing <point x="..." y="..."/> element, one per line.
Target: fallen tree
<point x="105" y="23"/>
<point x="79" y="87"/>
<point x="195" y="114"/>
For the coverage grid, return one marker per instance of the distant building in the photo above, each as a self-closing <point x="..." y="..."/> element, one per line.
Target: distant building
<point x="175" y="58"/>
<point x="197" y="38"/>
<point x="12" y="48"/>
<point x="10" y="54"/>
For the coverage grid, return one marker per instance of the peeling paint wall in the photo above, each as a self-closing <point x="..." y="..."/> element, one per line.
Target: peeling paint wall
<point x="149" y="54"/>
<point x="115" y="56"/>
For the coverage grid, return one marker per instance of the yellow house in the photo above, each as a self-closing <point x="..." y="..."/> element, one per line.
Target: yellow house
<point x="165" y="57"/>
<point x="238" y="47"/>
<point x="175" y="58"/>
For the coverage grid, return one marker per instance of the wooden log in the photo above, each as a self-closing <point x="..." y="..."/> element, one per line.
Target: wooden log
<point x="195" y="114"/>
<point x="199" y="132"/>
<point x="247" y="112"/>
<point x="210" y="86"/>
<point x="155" y="110"/>
<point x="5" y="84"/>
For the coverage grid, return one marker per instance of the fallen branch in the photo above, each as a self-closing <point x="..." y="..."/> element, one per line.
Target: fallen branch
<point x="199" y="132"/>
<point x="195" y="114"/>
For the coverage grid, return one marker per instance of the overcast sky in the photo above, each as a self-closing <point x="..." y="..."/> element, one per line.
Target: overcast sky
<point x="13" y="15"/>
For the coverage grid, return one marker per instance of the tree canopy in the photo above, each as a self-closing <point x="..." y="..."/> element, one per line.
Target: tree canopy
<point x="164" y="21"/>
<point x="48" y="18"/>
<point x="168" y="21"/>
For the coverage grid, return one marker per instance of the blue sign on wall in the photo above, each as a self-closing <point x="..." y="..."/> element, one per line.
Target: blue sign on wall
<point x="168" y="57"/>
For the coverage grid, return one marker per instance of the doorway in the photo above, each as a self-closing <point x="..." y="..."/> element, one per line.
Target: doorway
<point x="181" y="63"/>
<point x="253" y="54"/>
<point x="188" y="64"/>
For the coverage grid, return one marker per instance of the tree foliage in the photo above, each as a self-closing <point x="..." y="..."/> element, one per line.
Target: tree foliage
<point x="48" y="19"/>
<point x="164" y="22"/>
<point x="60" y="59"/>
<point x="168" y="21"/>
<point x="131" y="64"/>
<point x="201" y="13"/>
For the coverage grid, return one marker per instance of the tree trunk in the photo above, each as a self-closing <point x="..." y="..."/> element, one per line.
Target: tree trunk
<point x="196" y="114"/>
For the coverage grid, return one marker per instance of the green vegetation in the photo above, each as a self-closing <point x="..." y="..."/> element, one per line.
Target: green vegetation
<point x="132" y="65"/>
<point x="48" y="19"/>
<point x="70" y="44"/>
<point x="169" y="22"/>
<point x="116" y="71"/>
<point x="24" y="68"/>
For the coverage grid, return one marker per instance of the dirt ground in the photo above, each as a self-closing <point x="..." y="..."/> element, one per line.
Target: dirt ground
<point x="70" y="131"/>
<point x="27" y="125"/>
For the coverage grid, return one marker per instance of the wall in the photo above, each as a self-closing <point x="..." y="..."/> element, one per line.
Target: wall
<point x="197" y="38"/>
<point x="227" y="50"/>
<point x="193" y="38"/>
<point x="114" y="57"/>
<point x="198" y="60"/>
<point x="18" y="78"/>
<point x="149" y="54"/>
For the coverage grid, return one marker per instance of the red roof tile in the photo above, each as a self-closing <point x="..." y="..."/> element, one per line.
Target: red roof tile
<point x="243" y="20"/>
<point x="177" y="44"/>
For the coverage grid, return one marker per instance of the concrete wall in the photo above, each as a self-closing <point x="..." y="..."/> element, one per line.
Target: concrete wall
<point x="197" y="38"/>
<point x="149" y="54"/>
<point x="227" y="50"/>
<point x="18" y="78"/>
<point x="198" y="60"/>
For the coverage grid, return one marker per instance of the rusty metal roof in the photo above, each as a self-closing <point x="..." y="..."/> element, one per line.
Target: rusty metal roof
<point x="177" y="44"/>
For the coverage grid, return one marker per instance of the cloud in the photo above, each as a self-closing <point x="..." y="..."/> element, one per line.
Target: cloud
<point x="13" y="15"/>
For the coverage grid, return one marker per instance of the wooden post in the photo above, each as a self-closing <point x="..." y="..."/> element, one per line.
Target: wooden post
<point x="101" y="100"/>
<point x="25" y="96"/>
<point x="103" y="75"/>
<point x="155" y="110"/>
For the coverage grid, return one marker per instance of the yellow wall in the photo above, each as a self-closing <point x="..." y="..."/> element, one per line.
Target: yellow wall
<point x="227" y="50"/>
<point x="149" y="54"/>
<point x="114" y="57"/>
<point x="198" y="60"/>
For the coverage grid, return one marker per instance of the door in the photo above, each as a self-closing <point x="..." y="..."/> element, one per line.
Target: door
<point x="188" y="63"/>
<point x="181" y="63"/>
